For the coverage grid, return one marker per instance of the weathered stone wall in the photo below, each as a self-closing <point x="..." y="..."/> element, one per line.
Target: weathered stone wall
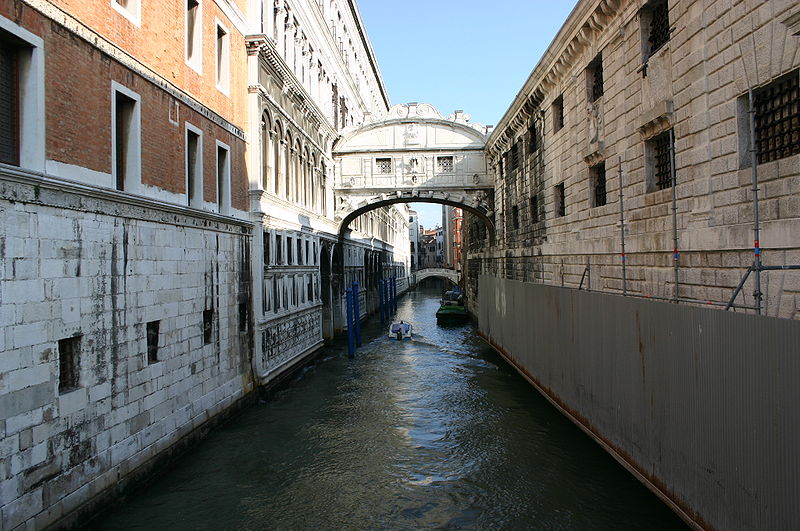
<point x="93" y="266"/>
<point x="696" y="85"/>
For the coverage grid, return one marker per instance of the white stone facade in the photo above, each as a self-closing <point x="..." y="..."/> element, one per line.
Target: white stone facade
<point x="564" y="139"/>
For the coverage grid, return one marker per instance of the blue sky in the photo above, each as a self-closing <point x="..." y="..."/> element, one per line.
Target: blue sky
<point x="460" y="54"/>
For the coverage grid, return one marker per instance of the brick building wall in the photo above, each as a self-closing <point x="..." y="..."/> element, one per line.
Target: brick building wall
<point x="563" y="134"/>
<point x="125" y="314"/>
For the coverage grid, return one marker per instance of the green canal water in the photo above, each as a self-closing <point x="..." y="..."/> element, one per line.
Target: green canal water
<point x="434" y="433"/>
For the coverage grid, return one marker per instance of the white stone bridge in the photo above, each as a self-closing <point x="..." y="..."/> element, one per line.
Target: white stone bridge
<point x="413" y="154"/>
<point x="437" y="272"/>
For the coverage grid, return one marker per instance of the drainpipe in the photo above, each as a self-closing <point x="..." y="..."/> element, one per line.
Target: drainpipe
<point x="674" y="211"/>
<point x="622" y="233"/>
<point x="756" y="225"/>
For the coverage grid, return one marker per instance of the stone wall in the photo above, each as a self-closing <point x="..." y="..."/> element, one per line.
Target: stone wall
<point x="694" y="85"/>
<point x="88" y="272"/>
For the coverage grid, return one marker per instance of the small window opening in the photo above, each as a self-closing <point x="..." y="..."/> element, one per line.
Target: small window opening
<point x="9" y="103"/>
<point x="515" y="216"/>
<point x="152" y="341"/>
<point x="660" y="163"/>
<point x="194" y="169"/>
<point x="69" y="363"/>
<point x="208" y="326"/>
<point x="594" y="78"/>
<point x="444" y="164"/>
<point x="534" y="209"/>
<point x="123" y="137"/>
<point x="384" y="166"/>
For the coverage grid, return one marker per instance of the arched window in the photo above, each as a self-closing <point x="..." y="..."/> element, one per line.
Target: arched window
<point x="265" y="154"/>
<point x="277" y="169"/>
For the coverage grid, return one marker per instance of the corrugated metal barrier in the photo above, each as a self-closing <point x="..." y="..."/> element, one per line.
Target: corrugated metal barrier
<point x="703" y="405"/>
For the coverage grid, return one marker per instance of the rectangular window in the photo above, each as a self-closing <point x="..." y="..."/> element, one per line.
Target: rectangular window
<point x="299" y="251"/>
<point x="127" y="140"/>
<point x="533" y="139"/>
<point x="289" y="253"/>
<point x="383" y="166"/>
<point x="69" y="370"/>
<point x="243" y="317"/>
<point x="534" y="209"/>
<point x="514" y="157"/>
<point x="777" y="118"/>
<point x="278" y="249"/>
<point x="558" y="113"/>
<point x="194" y="166"/>
<point x="9" y="102"/>
<point x="594" y="78"/>
<point x="559" y="198"/>
<point x="659" y="161"/>
<point x="208" y="326"/>
<point x="515" y="216"/>
<point x="152" y="341"/>
<point x="275" y="295"/>
<point x="597" y="185"/>
<point x="266" y="238"/>
<point x="444" y="164"/>
<point x="130" y="9"/>
<point x="223" y="178"/>
<point x="223" y="58"/>
<point x="310" y="288"/>
<point x="194" y="35"/>
<point x="22" y="97"/>
<point x="655" y="26"/>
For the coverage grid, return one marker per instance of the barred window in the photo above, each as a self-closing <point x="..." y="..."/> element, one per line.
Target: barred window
<point x="444" y="164"/>
<point x="559" y="197"/>
<point x="660" y="162"/>
<point x="594" y="78"/>
<point x="384" y="166"/>
<point x="777" y="118"/>
<point x="514" y="158"/>
<point x="515" y="217"/>
<point x="656" y="14"/>
<point x="597" y="176"/>
<point x="9" y="103"/>
<point x="558" y="113"/>
<point x="69" y="350"/>
<point x="533" y="140"/>
<point x="535" y="209"/>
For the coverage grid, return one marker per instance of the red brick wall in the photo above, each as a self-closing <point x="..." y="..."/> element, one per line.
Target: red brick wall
<point x="78" y="110"/>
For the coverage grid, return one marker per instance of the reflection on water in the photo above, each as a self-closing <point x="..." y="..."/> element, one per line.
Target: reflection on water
<point x="438" y="432"/>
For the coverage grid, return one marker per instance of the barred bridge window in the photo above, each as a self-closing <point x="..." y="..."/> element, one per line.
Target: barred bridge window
<point x="777" y="119"/>
<point x="384" y="166"/>
<point x="444" y="164"/>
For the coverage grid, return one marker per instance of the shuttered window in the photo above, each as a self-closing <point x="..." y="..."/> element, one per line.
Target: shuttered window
<point x="9" y="103"/>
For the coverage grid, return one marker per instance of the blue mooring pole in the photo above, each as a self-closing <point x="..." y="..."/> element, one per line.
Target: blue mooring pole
<point x="351" y="347"/>
<point x="357" y="312"/>
<point x="387" y="297"/>
<point x="380" y="300"/>
<point x="394" y="294"/>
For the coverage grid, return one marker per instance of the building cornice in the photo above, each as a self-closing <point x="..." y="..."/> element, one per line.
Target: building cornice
<point x="264" y="48"/>
<point x="588" y="19"/>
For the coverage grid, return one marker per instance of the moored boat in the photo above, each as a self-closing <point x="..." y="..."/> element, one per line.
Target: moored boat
<point x="452" y="310"/>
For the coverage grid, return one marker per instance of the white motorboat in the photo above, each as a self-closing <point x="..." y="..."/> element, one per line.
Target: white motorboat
<point x="400" y="330"/>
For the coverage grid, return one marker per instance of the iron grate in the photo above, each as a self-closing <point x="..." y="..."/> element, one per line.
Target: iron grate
<point x="663" y="167"/>
<point x="777" y="119"/>
<point x="659" y="26"/>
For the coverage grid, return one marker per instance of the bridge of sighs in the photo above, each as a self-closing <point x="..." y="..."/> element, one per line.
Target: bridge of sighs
<point x="413" y="154"/>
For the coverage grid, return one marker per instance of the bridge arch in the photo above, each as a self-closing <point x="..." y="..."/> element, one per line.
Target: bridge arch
<point x="412" y="155"/>
<point x="436" y="272"/>
<point x="381" y="201"/>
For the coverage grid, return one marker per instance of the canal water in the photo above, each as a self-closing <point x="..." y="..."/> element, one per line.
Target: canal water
<point x="437" y="432"/>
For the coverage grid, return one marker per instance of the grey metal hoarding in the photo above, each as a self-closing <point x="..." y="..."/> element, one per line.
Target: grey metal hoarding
<point x="701" y="404"/>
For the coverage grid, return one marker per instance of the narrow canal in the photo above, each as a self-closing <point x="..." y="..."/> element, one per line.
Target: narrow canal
<point x="438" y="432"/>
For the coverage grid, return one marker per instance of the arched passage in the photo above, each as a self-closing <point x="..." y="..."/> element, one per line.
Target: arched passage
<point x="442" y="199"/>
<point x="326" y="295"/>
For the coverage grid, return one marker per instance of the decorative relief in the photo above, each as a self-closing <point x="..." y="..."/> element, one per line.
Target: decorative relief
<point x="595" y="121"/>
<point x="283" y="341"/>
<point x="657" y="120"/>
